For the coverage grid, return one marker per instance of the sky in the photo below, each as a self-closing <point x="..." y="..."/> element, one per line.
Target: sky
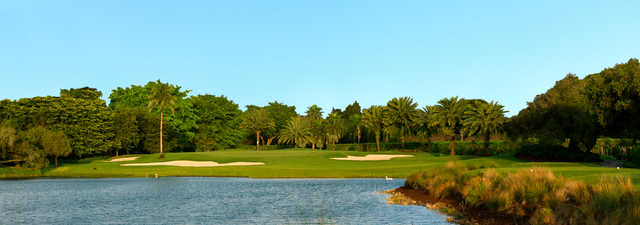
<point x="329" y="52"/>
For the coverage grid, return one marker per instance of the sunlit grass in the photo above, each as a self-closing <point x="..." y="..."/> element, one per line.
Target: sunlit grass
<point x="302" y="163"/>
<point x="533" y="195"/>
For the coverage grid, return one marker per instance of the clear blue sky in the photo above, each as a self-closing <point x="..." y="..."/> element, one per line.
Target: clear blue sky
<point x="328" y="53"/>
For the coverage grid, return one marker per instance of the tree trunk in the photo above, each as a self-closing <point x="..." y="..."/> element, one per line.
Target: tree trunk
<point x="258" y="140"/>
<point x="116" y="153"/>
<point x="452" y="146"/>
<point x="429" y="139"/>
<point x="378" y="140"/>
<point x="402" y="141"/>
<point x="269" y="140"/>
<point x="56" y="159"/>
<point x="313" y="146"/>
<point x="161" y="118"/>
<point x="487" y="138"/>
<point x="359" y="146"/>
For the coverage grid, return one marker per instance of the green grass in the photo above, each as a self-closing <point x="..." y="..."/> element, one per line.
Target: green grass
<point x="304" y="163"/>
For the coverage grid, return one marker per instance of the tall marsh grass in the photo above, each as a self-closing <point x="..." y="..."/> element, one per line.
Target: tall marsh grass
<point x="532" y="196"/>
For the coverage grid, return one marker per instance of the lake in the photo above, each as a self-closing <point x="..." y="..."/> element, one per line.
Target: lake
<point x="201" y="200"/>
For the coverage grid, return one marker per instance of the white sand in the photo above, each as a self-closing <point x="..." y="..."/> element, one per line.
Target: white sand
<point x="372" y="157"/>
<point x="188" y="163"/>
<point x="123" y="159"/>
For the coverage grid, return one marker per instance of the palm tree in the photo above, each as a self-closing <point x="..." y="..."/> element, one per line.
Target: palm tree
<point x="425" y="124"/>
<point x="314" y="116"/>
<point x="297" y="131"/>
<point x="401" y="114"/>
<point x="257" y="120"/>
<point x="314" y="112"/>
<point x="162" y="98"/>
<point x="448" y="117"/>
<point x="333" y="129"/>
<point x="373" y="118"/>
<point x="485" y="119"/>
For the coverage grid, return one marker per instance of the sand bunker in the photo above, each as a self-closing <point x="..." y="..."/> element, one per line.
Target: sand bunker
<point x="123" y="159"/>
<point x="372" y="157"/>
<point x="188" y="163"/>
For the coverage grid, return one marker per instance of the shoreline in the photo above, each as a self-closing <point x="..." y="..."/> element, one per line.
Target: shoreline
<point x="450" y="208"/>
<point x="113" y="177"/>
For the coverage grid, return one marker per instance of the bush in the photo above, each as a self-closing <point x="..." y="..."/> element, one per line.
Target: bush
<point x="549" y="152"/>
<point x="532" y="196"/>
<point x="635" y="155"/>
<point x="265" y="147"/>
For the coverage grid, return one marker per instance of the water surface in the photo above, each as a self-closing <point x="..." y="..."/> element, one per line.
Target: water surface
<point x="196" y="200"/>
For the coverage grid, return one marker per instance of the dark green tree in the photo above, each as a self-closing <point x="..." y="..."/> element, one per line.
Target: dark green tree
<point x="613" y="96"/>
<point x="257" y="120"/>
<point x="182" y="122"/>
<point x="281" y="114"/>
<point x="558" y="115"/>
<point x="127" y="131"/>
<point x="297" y="131"/>
<point x="374" y="119"/>
<point x="314" y="116"/>
<point x="425" y="124"/>
<point x="401" y="114"/>
<point x="219" y="119"/>
<point x="333" y="128"/>
<point x="447" y="116"/>
<point x="87" y="123"/>
<point x="485" y="119"/>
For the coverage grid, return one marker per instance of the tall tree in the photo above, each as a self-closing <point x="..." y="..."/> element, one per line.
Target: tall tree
<point x="218" y="122"/>
<point x="55" y="144"/>
<point x="352" y="114"/>
<point x="613" y="96"/>
<point x="8" y="138"/>
<point x="127" y="134"/>
<point x="162" y="98"/>
<point x="257" y="120"/>
<point x="333" y="128"/>
<point x="281" y="114"/>
<point x="448" y="117"/>
<point x="297" y="131"/>
<point x="314" y="116"/>
<point x="182" y="122"/>
<point x="558" y="115"/>
<point x="374" y="119"/>
<point x="87" y="123"/>
<point x="401" y="113"/>
<point x="425" y="123"/>
<point x="485" y="119"/>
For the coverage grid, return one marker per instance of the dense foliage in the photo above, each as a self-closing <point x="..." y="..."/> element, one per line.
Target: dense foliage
<point x="157" y="116"/>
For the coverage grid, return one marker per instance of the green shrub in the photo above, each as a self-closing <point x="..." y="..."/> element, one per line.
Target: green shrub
<point x="549" y="152"/>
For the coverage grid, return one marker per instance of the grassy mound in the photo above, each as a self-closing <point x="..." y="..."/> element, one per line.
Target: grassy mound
<point x="531" y="196"/>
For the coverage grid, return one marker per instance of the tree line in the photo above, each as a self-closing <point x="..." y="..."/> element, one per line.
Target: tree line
<point x="161" y="117"/>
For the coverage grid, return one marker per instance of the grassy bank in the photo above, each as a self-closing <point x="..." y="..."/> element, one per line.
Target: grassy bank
<point x="527" y="196"/>
<point x="302" y="163"/>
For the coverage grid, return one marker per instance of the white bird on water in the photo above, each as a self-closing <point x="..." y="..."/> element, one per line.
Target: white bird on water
<point x="388" y="178"/>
